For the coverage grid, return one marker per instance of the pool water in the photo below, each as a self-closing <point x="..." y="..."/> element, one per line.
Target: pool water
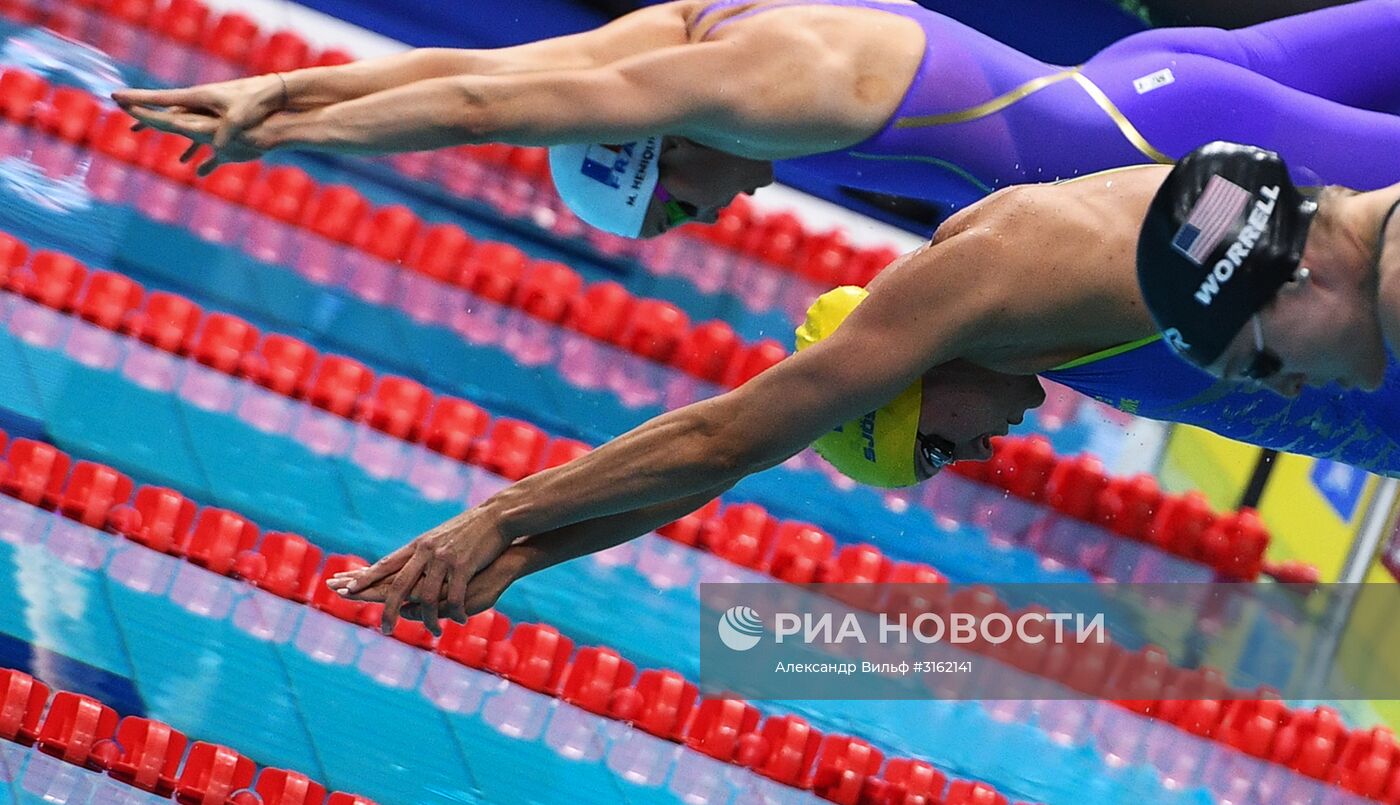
<point x="293" y="687"/>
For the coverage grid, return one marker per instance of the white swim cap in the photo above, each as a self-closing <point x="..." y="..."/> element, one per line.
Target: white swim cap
<point x="608" y="186"/>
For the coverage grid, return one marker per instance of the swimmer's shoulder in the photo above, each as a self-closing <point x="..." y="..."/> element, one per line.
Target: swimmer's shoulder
<point x="1027" y="245"/>
<point x="1108" y="199"/>
<point x="1011" y="211"/>
<point x="990" y="242"/>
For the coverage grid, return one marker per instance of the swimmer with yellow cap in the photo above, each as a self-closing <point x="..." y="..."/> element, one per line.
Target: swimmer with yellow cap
<point x="874" y="449"/>
<point x="945" y="348"/>
<point x="863" y="359"/>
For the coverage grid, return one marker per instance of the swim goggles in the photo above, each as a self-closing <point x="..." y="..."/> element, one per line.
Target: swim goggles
<point x="936" y="450"/>
<point x="1265" y="363"/>
<point x="677" y="212"/>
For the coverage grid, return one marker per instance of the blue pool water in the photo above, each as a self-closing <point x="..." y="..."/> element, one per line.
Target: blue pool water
<point x="558" y="390"/>
<point x="640" y="599"/>
<point x="293" y="687"/>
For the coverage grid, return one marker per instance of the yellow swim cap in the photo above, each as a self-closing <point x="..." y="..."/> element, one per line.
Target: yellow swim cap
<point x="878" y="448"/>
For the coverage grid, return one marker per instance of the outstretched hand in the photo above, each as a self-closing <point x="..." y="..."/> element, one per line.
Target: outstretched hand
<point x="483" y="591"/>
<point x="220" y="115"/>
<point x="447" y="572"/>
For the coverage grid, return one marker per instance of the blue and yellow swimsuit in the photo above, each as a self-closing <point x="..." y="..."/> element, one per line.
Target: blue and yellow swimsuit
<point x="1147" y="379"/>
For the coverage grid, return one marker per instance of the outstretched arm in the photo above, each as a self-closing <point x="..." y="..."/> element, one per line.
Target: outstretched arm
<point x="663" y="468"/>
<point x="240" y="104"/>
<point x="670" y="90"/>
<point x="217" y="114"/>
<point x="646" y="29"/>
<point x="533" y="554"/>
<point x="641" y="31"/>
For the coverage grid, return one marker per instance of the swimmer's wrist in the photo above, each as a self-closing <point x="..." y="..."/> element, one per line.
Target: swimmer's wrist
<point x="283" y="130"/>
<point x="272" y="92"/>
<point x="513" y="513"/>
<point x="526" y="558"/>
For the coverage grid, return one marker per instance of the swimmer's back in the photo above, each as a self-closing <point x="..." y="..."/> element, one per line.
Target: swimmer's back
<point x="1054" y="257"/>
<point x="708" y="19"/>
<point x="833" y="71"/>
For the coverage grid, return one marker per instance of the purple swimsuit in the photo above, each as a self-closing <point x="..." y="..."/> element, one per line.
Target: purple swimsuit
<point x="1319" y="88"/>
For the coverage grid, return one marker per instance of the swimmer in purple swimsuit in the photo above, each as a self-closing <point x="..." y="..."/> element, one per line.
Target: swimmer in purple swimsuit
<point x="700" y="98"/>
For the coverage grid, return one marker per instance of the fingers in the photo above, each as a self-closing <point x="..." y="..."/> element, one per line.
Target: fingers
<point x="412" y="611"/>
<point x="340" y="585"/>
<point x="190" y="152"/>
<point x="147" y="117"/>
<point x="209" y="165"/>
<point x="436" y="572"/>
<point x="355" y="580"/>
<point x="374" y="595"/>
<point x="404" y="583"/>
<point x="193" y="125"/>
<point x="232" y="154"/>
<point x="191" y="97"/>
<point x="458" y="580"/>
<point x="225" y="134"/>
<point x="428" y="593"/>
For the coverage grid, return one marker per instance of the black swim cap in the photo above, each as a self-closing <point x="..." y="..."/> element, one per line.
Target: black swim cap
<point x="1224" y="233"/>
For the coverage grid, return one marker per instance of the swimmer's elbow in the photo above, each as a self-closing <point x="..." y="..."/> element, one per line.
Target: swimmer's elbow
<point x="479" y="110"/>
<point x="526" y="109"/>
<point x="719" y="449"/>
<point x="739" y="444"/>
<point x="708" y="444"/>
<point x="471" y="115"/>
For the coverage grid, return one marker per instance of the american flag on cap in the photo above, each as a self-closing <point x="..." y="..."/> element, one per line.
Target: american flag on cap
<point x="1210" y="220"/>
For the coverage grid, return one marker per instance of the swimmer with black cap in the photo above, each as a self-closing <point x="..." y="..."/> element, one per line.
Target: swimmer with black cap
<point x="1253" y="278"/>
<point x="891" y="382"/>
